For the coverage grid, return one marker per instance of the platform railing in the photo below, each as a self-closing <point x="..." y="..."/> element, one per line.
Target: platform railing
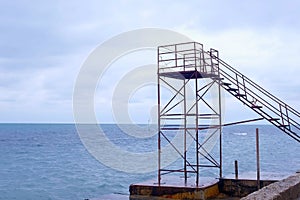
<point x="185" y="57"/>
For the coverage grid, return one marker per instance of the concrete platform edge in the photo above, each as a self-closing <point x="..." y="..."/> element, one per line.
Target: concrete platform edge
<point x="288" y="188"/>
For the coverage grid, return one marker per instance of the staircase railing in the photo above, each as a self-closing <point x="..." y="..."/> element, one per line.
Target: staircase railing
<point x="258" y="99"/>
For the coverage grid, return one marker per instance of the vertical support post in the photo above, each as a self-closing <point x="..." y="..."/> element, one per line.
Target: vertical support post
<point x="185" y="133"/>
<point x="214" y="55"/>
<point x="281" y="114"/>
<point x="236" y="169"/>
<point x="195" y="55"/>
<point x="244" y="84"/>
<point x="257" y="159"/>
<point x="287" y="116"/>
<point x="197" y="126"/>
<point x="202" y="61"/>
<point x="211" y="61"/>
<point x="158" y="118"/>
<point x="176" y="64"/>
<point x="238" y="85"/>
<point x="220" y="123"/>
<point x="184" y="62"/>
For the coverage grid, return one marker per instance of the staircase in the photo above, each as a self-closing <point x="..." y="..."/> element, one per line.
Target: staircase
<point x="256" y="98"/>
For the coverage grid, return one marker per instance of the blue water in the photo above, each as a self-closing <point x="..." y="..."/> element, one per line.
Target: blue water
<point x="48" y="161"/>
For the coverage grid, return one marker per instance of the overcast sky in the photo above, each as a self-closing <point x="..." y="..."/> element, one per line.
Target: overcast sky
<point x="44" y="43"/>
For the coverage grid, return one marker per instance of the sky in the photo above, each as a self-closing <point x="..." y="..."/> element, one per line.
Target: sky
<point x="44" y="44"/>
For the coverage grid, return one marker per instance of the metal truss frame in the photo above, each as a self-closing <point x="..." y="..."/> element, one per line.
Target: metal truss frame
<point x="190" y="74"/>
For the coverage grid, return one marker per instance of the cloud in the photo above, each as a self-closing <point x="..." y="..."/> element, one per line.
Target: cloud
<point x="43" y="45"/>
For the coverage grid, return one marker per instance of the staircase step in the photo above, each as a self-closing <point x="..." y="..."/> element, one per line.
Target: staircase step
<point x="283" y="126"/>
<point x="226" y="84"/>
<point x="232" y="89"/>
<point x="274" y="119"/>
<point x="217" y="78"/>
<point x="240" y="95"/>
<point x="255" y="106"/>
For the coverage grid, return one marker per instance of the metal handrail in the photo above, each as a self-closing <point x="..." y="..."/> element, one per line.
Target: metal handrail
<point x="283" y="111"/>
<point x="257" y="86"/>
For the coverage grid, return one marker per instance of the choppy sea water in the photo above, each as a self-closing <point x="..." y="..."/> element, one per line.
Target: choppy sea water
<point x="49" y="161"/>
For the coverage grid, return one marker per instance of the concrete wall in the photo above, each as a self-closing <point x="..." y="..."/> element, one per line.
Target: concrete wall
<point x="171" y="192"/>
<point x="285" y="189"/>
<point x="240" y="187"/>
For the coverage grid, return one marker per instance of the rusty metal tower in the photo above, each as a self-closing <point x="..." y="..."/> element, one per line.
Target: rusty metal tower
<point x="189" y="111"/>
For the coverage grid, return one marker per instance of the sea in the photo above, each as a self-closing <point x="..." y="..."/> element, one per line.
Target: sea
<point x="50" y="161"/>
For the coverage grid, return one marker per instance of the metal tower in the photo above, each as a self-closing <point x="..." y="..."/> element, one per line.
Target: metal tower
<point x="189" y="111"/>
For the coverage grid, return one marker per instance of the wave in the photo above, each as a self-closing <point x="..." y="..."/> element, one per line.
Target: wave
<point x="241" y="134"/>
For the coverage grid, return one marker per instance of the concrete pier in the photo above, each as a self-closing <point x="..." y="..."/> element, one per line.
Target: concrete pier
<point x="174" y="188"/>
<point x="241" y="187"/>
<point x="225" y="188"/>
<point x="288" y="188"/>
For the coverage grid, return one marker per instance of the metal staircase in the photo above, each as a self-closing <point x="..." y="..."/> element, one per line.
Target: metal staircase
<point x="256" y="98"/>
